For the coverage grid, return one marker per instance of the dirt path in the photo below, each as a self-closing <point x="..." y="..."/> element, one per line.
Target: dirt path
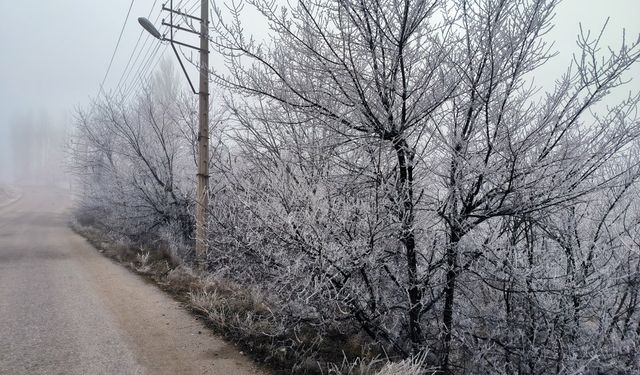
<point x="65" y="309"/>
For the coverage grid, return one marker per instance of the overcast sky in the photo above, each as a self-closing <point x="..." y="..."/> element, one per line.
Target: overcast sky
<point x="55" y="53"/>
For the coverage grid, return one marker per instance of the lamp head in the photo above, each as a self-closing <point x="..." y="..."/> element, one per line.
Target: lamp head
<point x="149" y="27"/>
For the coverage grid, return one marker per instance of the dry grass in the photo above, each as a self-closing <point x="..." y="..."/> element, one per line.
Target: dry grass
<point x="410" y="366"/>
<point x="247" y="318"/>
<point x="380" y="366"/>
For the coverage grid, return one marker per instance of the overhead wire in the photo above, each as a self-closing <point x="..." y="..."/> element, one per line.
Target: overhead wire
<point x="195" y="4"/>
<point x="134" y="84"/>
<point x="144" y="51"/>
<point x="146" y="74"/>
<point x="142" y="68"/>
<point x="134" y="48"/>
<point x="149" y="62"/>
<point x="115" y="50"/>
<point x="191" y="9"/>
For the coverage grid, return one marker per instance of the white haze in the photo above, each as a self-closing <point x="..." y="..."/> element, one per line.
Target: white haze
<point x="55" y="53"/>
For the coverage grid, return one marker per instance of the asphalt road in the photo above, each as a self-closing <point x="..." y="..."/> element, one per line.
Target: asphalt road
<point x="65" y="309"/>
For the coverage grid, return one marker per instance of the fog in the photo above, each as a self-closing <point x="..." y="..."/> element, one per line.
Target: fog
<point x="53" y="58"/>
<point x="55" y="55"/>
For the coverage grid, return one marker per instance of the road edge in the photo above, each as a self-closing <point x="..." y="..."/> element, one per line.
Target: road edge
<point x="158" y="279"/>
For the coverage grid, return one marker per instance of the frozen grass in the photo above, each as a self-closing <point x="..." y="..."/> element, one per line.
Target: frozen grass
<point x="411" y="366"/>
<point x="245" y="316"/>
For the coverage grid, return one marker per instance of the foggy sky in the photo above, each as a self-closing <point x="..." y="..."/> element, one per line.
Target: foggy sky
<point x="55" y="53"/>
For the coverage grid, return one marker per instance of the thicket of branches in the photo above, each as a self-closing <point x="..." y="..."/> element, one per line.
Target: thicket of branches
<point x="133" y="161"/>
<point x="389" y="165"/>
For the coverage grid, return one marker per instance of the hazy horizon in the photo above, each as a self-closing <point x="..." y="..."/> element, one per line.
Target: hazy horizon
<point x="56" y="53"/>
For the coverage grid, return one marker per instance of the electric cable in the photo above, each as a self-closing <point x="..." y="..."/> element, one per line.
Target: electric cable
<point x="124" y="24"/>
<point x="134" y="48"/>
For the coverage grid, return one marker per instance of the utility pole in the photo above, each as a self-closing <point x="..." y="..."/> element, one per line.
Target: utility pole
<point x="202" y="177"/>
<point x="202" y="191"/>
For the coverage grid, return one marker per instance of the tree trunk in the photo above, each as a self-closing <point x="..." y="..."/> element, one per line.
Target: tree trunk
<point x="404" y="187"/>
<point x="449" y="294"/>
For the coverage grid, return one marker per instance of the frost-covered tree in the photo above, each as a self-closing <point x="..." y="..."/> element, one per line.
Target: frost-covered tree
<point x="432" y="131"/>
<point x="389" y="168"/>
<point x="134" y="158"/>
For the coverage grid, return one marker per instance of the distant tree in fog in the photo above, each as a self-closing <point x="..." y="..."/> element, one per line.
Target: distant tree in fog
<point x="36" y="145"/>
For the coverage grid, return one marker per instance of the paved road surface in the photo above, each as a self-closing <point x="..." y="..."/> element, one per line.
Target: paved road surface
<point x="65" y="309"/>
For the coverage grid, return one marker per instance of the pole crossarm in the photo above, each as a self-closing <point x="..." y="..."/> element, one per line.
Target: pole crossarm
<point x="183" y="44"/>
<point x="180" y="28"/>
<point x="180" y="13"/>
<point x="171" y="39"/>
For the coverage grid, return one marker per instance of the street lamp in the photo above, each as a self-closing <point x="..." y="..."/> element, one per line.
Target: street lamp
<point x="202" y="189"/>
<point x="150" y="28"/>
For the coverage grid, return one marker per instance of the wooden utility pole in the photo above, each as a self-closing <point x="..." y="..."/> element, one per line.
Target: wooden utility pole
<point x="202" y="191"/>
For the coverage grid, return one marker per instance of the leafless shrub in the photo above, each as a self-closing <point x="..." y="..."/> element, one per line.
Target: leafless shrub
<point x="389" y="177"/>
<point x="142" y="262"/>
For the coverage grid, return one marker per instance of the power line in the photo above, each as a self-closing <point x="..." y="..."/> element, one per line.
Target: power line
<point x="191" y="9"/>
<point x="142" y="80"/>
<point x="144" y="62"/>
<point x="142" y="75"/>
<point x="117" y="45"/>
<point x="126" y="68"/>
<point x="135" y="47"/>
<point x="195" y="3"/>
<point x="125" y="85"/>
<point x="150" y="72"/>
<point x="141" y="52"/>
<point x="143" y="71"/>
<point x="147" y="65"/>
